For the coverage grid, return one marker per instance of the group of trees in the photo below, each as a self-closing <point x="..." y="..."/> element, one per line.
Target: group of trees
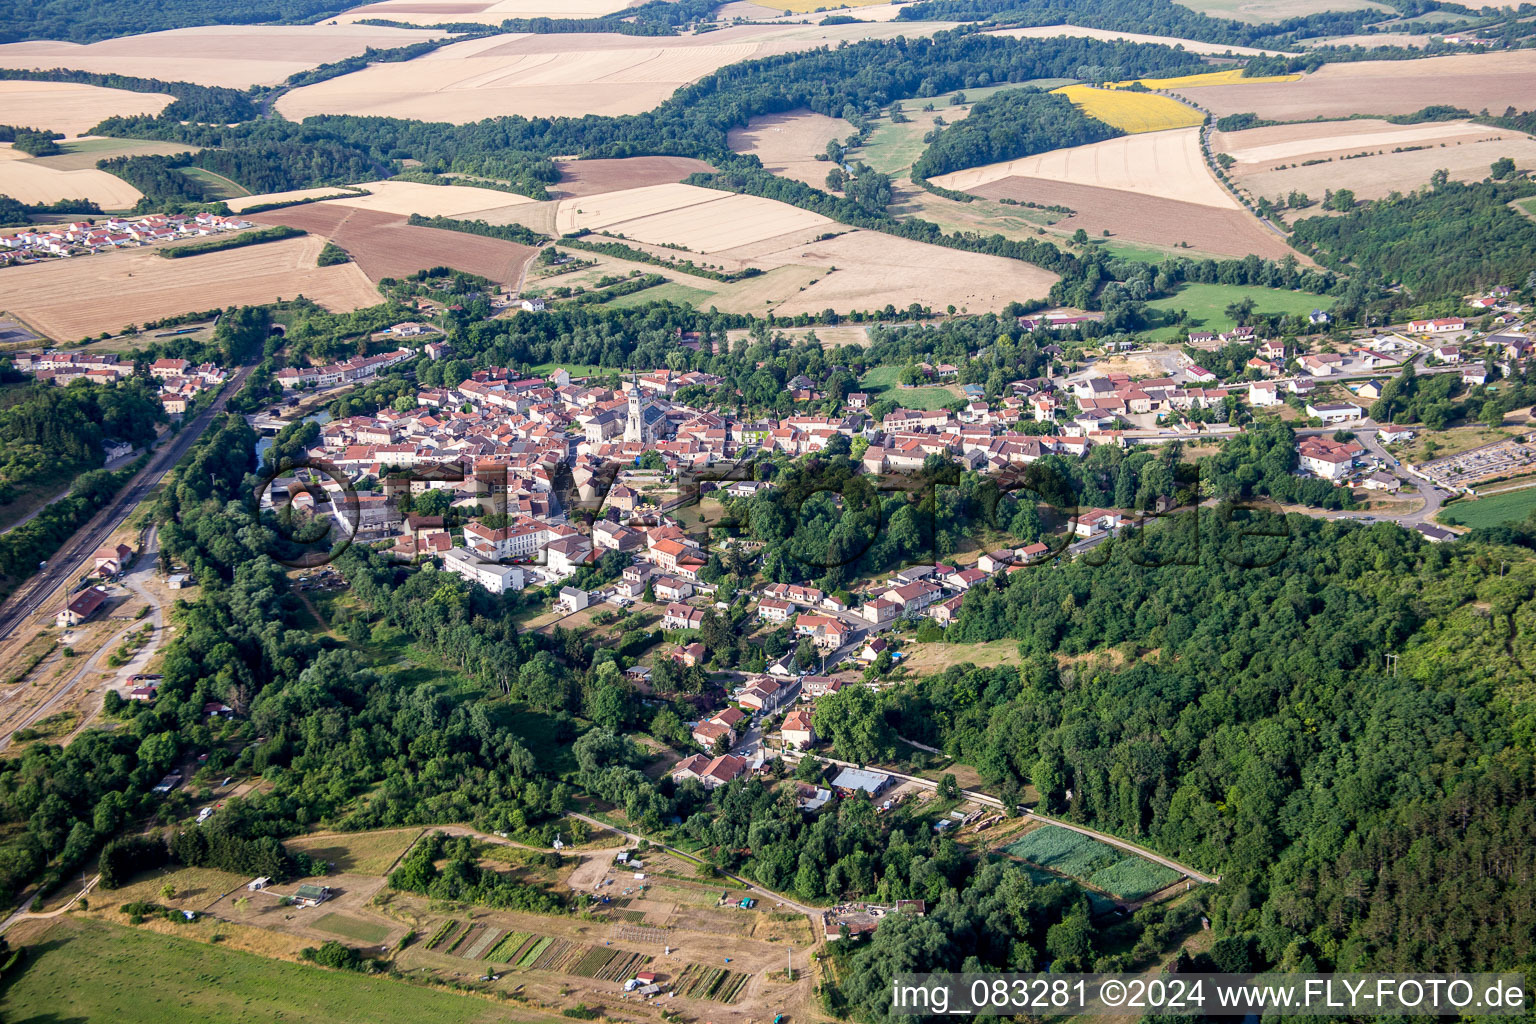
<point x="462" y="880"/>
<point x="1008" y="125"/>
<point x="1444" y="241"/>
<point x="1225" y="696"/>
<point x="85" y="21"/>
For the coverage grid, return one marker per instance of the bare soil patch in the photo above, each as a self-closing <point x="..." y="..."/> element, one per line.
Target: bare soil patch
<point x="1142" y="218"/>
<point x="590" y="177"/>
<point x="1470" y="81"/>
<point x="72" y="108"/>
<point x="788" y="144"/>
<point x="384" y="245"/>
<point x="67" y="299"/>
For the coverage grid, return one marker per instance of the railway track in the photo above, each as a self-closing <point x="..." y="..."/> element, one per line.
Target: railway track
<point x="71" y="557"/>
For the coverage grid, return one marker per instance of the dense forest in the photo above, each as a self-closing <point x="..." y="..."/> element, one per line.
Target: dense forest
<point x="1223" y="694"/>
<point x="1448" y="240"/>
<point x="85" y="21"/>
<point x="1008" y="125"/>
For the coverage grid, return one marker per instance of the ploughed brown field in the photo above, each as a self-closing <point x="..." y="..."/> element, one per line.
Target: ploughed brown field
<point x="591" y="177"/>
<point x="1135" y="217"/>
<point x="384" y="245"/>
<point x="1470" y="81"/>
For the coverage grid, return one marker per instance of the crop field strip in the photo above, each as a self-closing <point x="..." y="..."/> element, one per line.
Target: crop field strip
<point x="508" y="946"/>
<point x="440" y="936"/>
<point x="700" y="982"/>
<point x="483" y="943"/>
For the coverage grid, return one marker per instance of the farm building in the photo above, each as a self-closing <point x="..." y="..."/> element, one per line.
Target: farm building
<point x="855" y="780"/>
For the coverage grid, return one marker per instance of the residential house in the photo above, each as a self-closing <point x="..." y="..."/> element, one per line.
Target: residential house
<point x="681" y="616"/>
<point x="711" y="772"/>
<point x="1095" y="521"/>
<point x="797" y="730"/>
<point x="572" y="599"/>
<point x="1327" y="458"/>
<point x="112" y="558"/>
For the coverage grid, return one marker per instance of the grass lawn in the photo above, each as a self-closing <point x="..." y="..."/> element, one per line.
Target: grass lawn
<point x="1508" y="507"/>
<point x="89" y="970"/>
<point x="880" y="382"/>
<point x="574" y="369"/>
<point x="672" y="291"/>
<point x="354" y="928"/>
<point x="1206" y="303"/>
<point x="361" y="853"/>
<point x="1429" y="445"/>
<point x="216" y="185"/>
<point x="1526" y="206"/>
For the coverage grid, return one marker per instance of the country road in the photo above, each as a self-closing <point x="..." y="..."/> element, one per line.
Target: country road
<point x="67" y="562"/>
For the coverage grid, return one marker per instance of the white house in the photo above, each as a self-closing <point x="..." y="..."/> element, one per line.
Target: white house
<point x="1335" y="412"/>
<point x="498" y="579"/>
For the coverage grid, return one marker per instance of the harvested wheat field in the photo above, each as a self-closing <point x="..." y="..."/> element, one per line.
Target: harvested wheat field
<point x="404" y="198"/>
<point x="568" y="74"/>
<point x="875" y="270"/>
<point x="788" y="144"/>
<point x="1470" y="81"/>
<point x="237" y="56"/>
<point x="592" y="177"/>
<point x="27" y="180"/>
<point x="323" y="192"/>
<point x="1132" y="217"/>
<point x="702" y="219"/>
<point x="1165" y="164"/>
<point x="70" y="108"/>
<point x="1134" y="112"/>
<point x="72" y="298"/>
<point x="483" y="12"/>
<point x="1268" y="159"/>
<point x="564" y="74"/>
<point x="383" y="245"/>
<point x="1279" y="10"/>
<point x="1079" y="32"/>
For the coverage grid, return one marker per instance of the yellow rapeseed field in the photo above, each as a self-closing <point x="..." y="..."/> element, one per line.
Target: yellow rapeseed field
<point x="1132" y="111"/>
<point x="1233" y="76"/>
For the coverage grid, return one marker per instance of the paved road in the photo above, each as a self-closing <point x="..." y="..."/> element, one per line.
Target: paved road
<point x="67" y="562"/>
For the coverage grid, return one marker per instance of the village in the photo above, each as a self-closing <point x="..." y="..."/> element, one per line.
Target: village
<point x="83" y="238"/>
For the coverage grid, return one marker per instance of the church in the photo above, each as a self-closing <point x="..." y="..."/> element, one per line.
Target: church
<point x="645" y="420"/>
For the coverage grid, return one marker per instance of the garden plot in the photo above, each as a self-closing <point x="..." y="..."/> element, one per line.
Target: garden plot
<point x="1099" y="864"/>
